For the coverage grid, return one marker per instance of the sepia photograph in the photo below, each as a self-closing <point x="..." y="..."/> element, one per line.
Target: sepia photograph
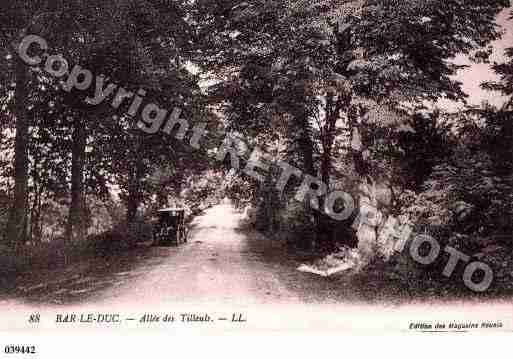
<point x="234" y="166"/>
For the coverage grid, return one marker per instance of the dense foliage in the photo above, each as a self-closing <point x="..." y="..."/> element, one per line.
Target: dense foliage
<point x="342" y="90"/>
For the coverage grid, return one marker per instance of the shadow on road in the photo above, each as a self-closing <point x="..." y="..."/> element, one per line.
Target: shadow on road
<point x="83" y="280"/>
<point x="310" y="288"/>
<point x="222" y="259"/>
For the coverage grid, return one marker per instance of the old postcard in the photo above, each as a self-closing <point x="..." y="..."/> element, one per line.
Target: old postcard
<point x="229" y="166"/>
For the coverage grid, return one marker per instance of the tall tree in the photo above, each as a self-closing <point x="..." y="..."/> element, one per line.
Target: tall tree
<point x="355" y="63"/>
<point x="18" y="19"/>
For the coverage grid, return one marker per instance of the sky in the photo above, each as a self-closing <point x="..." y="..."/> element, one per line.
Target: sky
<point x="478" y="73"/>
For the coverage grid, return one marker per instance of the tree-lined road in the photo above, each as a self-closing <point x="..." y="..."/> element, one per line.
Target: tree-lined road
<point x="220" y="263"/>
<point x="223" y="262"/>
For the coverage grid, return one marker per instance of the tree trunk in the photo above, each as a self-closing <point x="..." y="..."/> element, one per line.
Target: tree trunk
<point x="76" y="220"/>
<point x="306" y="146"/>
<point x="134" y="186"/>
<point x="132" y="205"/>
<point x="333" y="106"/>
<point x="16" y="227"/>
<point x="36" y="220"/>
<point x="134" y="196"/>
<point x="368" y="214"/>
<point x="162" y="197"/>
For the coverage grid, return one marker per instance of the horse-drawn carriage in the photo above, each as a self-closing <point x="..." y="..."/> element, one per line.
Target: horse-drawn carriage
<point x="170" y="228"/>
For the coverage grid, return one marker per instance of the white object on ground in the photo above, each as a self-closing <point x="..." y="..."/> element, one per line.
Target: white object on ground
<point x="250" y="214"/>
<point x="334" y="263"/>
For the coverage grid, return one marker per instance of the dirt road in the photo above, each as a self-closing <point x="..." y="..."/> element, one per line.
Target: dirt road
<point x="223" y="269"/>
<point x="222" y="263"/>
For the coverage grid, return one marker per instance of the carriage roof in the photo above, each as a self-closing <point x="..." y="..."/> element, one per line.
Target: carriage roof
<point x="171" y="210"/>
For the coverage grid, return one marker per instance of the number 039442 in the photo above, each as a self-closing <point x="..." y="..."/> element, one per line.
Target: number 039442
<point x="20" y="349"/>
